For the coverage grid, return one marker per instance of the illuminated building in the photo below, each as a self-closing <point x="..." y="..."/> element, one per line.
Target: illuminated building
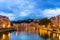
<point x="55" y="21"/>
<point x="4" y="22"/>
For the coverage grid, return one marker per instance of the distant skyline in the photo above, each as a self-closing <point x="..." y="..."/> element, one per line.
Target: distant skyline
<point x="25" y="9"/>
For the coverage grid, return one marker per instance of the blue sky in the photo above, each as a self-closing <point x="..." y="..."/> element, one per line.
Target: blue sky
<point x="25" y="9"/>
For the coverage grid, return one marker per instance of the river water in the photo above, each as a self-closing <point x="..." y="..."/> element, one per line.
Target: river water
<point x="23" y="36"/>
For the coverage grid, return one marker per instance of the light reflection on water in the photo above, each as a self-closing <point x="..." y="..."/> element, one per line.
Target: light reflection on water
<point x="42" y="35"/>
<point x="24" y="36"/>
<point x="20" y="36"/>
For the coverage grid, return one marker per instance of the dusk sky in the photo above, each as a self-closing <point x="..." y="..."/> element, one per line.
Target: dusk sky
<point x="25" y="9"/>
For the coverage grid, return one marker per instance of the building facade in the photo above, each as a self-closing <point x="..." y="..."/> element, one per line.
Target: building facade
<point x="55" y="21"/>
<point x="4" y="22"/>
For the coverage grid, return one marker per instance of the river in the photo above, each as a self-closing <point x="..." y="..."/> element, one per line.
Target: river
<point x="24" y="36"/>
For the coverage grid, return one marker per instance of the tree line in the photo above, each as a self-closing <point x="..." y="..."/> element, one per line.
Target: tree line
<point x="43" y="21"/>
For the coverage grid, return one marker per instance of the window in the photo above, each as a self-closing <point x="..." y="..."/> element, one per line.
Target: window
<point x="4" y="17"/>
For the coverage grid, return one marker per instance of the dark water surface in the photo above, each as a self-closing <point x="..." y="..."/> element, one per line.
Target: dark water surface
<point x="21" y="36"/>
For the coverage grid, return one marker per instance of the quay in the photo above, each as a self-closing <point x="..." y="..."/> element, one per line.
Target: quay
<point x="2" y="30"/>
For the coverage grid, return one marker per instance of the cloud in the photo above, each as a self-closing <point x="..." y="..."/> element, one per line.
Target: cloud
<point x="51" y="12"/>
<point x="10" y="15"/>
<point x="12" y="8"/>
<point x="29" y="8"/>
<point x="24" y="13"/>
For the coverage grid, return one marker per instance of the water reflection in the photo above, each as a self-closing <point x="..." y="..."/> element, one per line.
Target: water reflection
<point x="48" y="35"/>
<point x="24" y="36"/>
<point x="19" y="36"/>
<point x="5" y="36"/>
<point x="44" y="34"/>
<point x="41" y="35"/>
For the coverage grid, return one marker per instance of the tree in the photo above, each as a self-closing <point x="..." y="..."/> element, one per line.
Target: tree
<point x="44" y="21"/>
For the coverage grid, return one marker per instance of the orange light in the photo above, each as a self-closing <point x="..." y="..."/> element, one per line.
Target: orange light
<point x="54" y="25"/>
<point x="9" y="24"/>
<point x="3" y="36"/>
<point x="9" y="34"/>
<point x="3" y="25"/>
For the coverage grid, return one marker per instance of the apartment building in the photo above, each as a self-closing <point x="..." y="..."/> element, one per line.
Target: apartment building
<point x="55" y="21"/>
<point x="4" y="22"/>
